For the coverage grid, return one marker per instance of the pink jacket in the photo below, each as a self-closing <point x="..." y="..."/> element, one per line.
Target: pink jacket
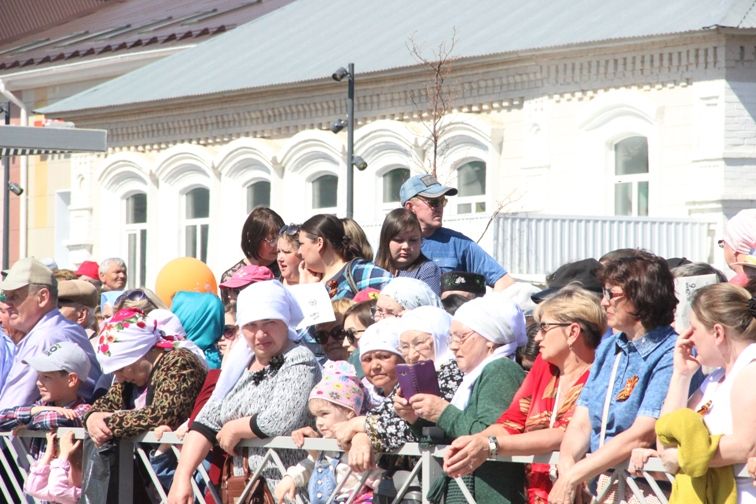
<point x="50" y="483"/>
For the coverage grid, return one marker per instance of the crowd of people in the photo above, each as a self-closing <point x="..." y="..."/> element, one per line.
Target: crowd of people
<point x="431" y="341"/>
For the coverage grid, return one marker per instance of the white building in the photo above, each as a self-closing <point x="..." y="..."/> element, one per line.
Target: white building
<point x="599" y="108"/>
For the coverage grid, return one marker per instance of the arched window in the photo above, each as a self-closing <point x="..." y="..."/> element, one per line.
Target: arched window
<point x="136" y="236"/>
<point x="258" y="194"/>
<point x="631" y="176"/>
<point x="324" y="191"/>
<point x="196" y="222"/>
<point x="392" y="182"/>
<point x="471" y="184"/>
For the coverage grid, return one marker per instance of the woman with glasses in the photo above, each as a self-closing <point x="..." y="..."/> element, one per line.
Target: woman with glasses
<point x="619" y="405"/>
<point x="331" y="335"/>
<point x="329" y="254"/>
<point x="569" y="325"/>
<point x="259" y="239"/>
<point x="399" y="249"/>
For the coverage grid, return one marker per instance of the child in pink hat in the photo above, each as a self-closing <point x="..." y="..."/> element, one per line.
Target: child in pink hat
<point x="338" y="397"/>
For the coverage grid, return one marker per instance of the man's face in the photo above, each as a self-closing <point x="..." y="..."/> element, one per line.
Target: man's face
<point x="429" y="212"/>
<point x="74" y="312"/>
<point x="114" y="278"/>
<point x="25" y="307"/>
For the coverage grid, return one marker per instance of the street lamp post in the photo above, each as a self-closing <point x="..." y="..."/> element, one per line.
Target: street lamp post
<point x="6" y="197"/>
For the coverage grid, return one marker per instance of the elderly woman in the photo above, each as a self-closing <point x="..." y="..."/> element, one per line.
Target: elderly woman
<point x="623" y="397"/>
<point x="723" y="333"/>
<point x="201" y="315"/>
<point x="330" y="255"/>
<point x="570" y="325"/>
<point x="156" y="382"/>
<point x="402" y="294"/>
<point x="261" y="393"/>
<point x="484" y="335"/>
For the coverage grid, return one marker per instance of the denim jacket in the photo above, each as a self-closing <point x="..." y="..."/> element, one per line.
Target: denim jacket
<point x="639" y="389"/>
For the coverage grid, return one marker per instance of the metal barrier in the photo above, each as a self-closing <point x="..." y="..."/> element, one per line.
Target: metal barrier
<point x="15" y="458"/>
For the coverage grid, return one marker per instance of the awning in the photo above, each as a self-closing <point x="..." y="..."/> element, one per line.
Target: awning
<point x="30" y="141"/>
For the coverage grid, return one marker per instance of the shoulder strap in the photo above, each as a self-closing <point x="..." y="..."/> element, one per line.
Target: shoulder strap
<point x="608" y="398"/>
<point x="350" y="277"/>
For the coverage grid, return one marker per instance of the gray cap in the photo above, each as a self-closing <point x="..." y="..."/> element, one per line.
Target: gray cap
<point x="62" y="356"/>
<point x="27" y="271"/>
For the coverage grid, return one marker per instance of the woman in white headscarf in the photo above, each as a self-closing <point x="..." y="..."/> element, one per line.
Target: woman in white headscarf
<point x="402" y="294"/>
<point x="484" y="336"/>
<point x="262" y="393"/>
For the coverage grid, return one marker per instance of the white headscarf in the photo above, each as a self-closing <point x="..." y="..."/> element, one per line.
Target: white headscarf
<point x="411" y="293"/>
<point x="499" y="321"/>
<point x="381" y="336"/>
<point x="267" y="300"/>
<point x="434" y="321"/>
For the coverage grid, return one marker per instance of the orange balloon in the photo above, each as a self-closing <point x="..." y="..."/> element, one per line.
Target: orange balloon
<point x="184" y="274"/>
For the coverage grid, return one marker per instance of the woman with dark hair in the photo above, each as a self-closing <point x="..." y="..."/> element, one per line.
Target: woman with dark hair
<point x="399" y="249"/>
<point x="259" y="240"/>
<point x="328" y="253"/>
<point x="623" y="397"/>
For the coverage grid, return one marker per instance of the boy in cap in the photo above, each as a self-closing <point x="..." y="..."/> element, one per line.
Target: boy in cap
<point x="60" y="372"/>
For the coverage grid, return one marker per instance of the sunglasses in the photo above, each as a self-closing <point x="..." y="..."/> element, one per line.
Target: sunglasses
<point x="229" y="331"/>
<point x="289" y="230"/>
<point x="434" y="202"/>
<point x="350" y="334"/>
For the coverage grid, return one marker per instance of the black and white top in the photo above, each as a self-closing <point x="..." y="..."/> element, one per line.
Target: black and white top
<point x="275" y="398"/>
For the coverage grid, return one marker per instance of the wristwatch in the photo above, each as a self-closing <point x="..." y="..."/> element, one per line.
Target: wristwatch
<point x="493" y="446"/>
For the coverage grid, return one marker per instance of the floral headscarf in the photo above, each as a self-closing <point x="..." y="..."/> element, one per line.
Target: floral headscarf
<point x="126" y="338"/>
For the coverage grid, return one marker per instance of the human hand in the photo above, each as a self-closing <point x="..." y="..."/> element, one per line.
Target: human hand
<point x="307" y="275"/>
<point x="670" y="460"/>
<point x="361" y="453"/>
<point x="404" y="410"/>
<point x="68" y="444"/>
<point x="563" y="491"/>
<point x="751" y="468"/>
<point x="182" y="429"/>
<point x="299" y="435"/>
<point x="181" y="492"/>
<point x="344" y="432"/>
<point x="231" y="433"/>
<point x="685" y="363"/>
<point x="50" y="448"/>
<point x="160" y="430"/>
<point x="66" y="412"/>
<point x="97" y="428"/>
<point x="286" y="489"/>
<point x="465" y="454"/>
<point x="638" y="459"/>
<point x="428" y="406"/>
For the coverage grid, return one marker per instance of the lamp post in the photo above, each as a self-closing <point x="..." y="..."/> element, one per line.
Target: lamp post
<point x="6" y="197"/>
<point x="338" y="125"/>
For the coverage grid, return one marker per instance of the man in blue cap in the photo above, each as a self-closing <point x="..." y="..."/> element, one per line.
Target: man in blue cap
<point x="424" y="196"/>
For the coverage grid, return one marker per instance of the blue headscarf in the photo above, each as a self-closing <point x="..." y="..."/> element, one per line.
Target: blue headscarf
<point x="201" y="314"/>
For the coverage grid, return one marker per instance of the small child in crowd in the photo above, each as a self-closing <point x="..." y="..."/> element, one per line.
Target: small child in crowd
<point x="57" y="479"/>
<point x="60" y="372"/>
<point x="338" y="397"/>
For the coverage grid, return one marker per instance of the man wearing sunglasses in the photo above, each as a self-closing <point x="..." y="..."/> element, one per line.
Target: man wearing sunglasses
<point x="424" y="196"/>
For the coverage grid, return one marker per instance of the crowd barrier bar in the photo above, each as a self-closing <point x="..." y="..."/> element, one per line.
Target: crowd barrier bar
<point x="16" y="460"/>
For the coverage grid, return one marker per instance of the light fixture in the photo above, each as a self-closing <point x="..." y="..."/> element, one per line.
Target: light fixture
<point x="340" y="74"/>
<point x="15" y="188"/>
<point x="359" y="163"/>
<point x="338" y="125"/>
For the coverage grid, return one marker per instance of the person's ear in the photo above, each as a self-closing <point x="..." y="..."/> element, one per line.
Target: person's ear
<point x="72" y="380"/>
<point x="320" y="243"/>
<point x="719" y="333"/>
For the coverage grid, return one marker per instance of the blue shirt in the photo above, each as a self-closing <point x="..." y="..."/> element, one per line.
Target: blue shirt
<point x="427" y="271"/>
<point x="648" y="358"/>
<point x="7" y="352"/>
<point x="20" y="387"/>
<point x="453" y="251"/>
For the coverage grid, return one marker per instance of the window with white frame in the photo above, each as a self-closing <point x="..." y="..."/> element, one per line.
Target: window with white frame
<point x="631" y="176"/>
<point x="471" y="184"/>
<point x="197" y="222"/>
<point x="258" y="194"/>
<point x="325" y="191"/>
<point x="392" y="182"/>
<point x="136" y="240"/>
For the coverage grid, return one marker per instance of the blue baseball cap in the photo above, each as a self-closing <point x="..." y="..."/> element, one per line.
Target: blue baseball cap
<point x="424" y="185"/>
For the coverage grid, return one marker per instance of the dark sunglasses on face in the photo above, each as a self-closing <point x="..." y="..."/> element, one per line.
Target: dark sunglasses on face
<point x="350" y="334"/>
<point x="229" y="331"/>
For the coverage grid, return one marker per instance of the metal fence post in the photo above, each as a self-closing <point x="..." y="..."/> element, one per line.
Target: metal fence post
<point x="431" y="470"/>
<point x="126" y="471"/>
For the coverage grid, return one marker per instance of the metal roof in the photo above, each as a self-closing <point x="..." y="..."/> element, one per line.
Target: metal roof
<point x="28" y="141"/>
<point x="308" y="39"/>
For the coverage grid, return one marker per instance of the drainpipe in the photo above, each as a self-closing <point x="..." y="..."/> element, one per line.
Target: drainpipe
<point x="23" y="210"/>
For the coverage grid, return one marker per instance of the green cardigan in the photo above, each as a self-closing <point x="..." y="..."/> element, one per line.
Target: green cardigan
<point x="499" y="482"/>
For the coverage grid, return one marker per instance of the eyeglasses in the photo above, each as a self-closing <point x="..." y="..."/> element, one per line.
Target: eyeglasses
<point x="418" y="345"/>
<point x="545" y="327"/>
<point x="351" y="335"/>
<point x="379" y="313"/>
<point x="434" y="202"/>
<point x="289" y="230"/>
<point x="336" y="333"/>
<point x="721" y="243"/>
<point x="460" y="338"/>
<point x="271" y="240"/>
<point x="229" y="331"/>
<point x="609" y="295"/>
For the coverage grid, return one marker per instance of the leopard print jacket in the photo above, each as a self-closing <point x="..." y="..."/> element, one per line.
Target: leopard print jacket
<point x="173" y="386"/>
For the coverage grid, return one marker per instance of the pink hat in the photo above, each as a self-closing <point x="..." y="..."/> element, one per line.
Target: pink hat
<point x="740" y="231"/>
<point x="368" y="294"/>
<point x="246" y="275"/>
<point x="89" y="269"/>
<point x="340" y="386"/>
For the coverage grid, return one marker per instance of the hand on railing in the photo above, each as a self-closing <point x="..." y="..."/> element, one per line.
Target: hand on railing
<point x="361" y="453"/>
<point x="68" y="444"/>
<point x="670" y="460"/>
<point x="286" y="489"/>
<point x="231" y="433"/>
<point x="638" y="459"/>
<point x="299" y="435"/>
<point x="97" y="428"/>
<point x="464" y="455"/>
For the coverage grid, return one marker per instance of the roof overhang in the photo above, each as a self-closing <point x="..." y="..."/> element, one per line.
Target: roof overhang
<point x="26" y="140"/>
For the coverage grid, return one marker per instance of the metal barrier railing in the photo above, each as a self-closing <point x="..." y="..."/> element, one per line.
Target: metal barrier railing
<point x="16" y="460"/>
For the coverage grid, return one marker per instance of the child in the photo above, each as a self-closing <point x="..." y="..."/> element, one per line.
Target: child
<point x="57" y="479"/>
<point x="60" y="372"/>
<point x="337" y="398"/>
